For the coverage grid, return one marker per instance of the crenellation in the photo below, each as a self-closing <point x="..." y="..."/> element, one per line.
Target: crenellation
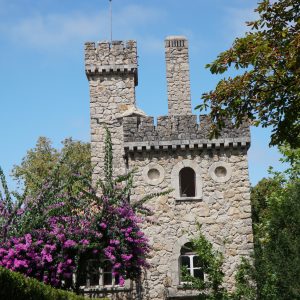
<point x="111" y="57"/>
<point x="182" y="130"/>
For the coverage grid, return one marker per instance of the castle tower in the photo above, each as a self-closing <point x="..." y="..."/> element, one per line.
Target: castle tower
<point x="209" y="176"/>
<point x="111" y="69"/>
<point x="178" y="75"/>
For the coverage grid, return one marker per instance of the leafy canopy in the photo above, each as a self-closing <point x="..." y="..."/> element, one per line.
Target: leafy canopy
<point x="276" y="214"/>
<point x="268" y="92"/>
<point x="44" y="162"/>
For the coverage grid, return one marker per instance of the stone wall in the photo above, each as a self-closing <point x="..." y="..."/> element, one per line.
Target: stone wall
<point x="223" y="209"/>
<point x="180" y="132"/>
<point x="111" y="69"/>
<point x="178" y="75"/>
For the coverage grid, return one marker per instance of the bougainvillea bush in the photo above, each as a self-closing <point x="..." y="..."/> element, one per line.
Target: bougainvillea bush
<point x="48" y="236"/>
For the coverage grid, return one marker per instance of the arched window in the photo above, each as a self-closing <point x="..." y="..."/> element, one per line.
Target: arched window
<point x="186" y="179"/>
<point x="187" y="182"/>
<point x="192" y="262"/>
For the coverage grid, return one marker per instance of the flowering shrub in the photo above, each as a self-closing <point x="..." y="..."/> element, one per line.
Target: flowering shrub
<point x="49" y="236"/>
<point x="49" y="254"/>
<point x="127" y="245"/>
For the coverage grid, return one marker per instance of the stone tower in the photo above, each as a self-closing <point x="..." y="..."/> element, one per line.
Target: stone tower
<point x="111" y="69"/>
<point x="209" y="177"/>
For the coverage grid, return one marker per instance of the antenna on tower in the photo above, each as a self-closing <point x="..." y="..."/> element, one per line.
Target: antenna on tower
<point x="110" y="9"/>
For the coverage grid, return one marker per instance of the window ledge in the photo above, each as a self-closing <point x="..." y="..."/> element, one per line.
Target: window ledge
<point x="97" y="288"/>
<point x="182" y="286"/>
<point x="182" y="199"/>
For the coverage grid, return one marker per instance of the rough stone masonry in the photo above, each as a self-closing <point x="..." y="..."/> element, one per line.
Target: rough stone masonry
<point x="219" y="198"/>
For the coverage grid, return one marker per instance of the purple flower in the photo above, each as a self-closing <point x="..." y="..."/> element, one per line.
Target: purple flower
<point x="20" y="263"/>
<point x="117" y="266"/>
<point x="126" y="257"/>
<point x="48" y="257"/>
<point x="121" y="281"/>
<point x="84" y="242"/>
<point x="69" y="244"/>
<point x="103" y="225"/>
<point x="28" y="239"/>
<point x="114" y="242"/>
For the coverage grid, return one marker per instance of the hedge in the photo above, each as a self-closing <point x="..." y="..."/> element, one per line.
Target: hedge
<point x="18" y="287"/>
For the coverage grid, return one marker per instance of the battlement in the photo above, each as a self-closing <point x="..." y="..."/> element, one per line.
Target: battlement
<point x="111" y="57"/>
<point x="172" y="132"/>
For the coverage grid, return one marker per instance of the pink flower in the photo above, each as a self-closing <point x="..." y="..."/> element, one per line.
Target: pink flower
<point x="84" y="242"/>
<point x="121" y="281"/>
<point x="69" y="243"/>
<point x="48" y="257"/>
<point x="28" y="239"/>
<point x="20" y="211"/>
<point x="103" y="225"/>
<point x="117" y="266"/>
<point x="114" y="242"/>
<point x="126" y="257"/>
<point x="20" y="263"/>
<point x="61" y="237"/>
<point x="21" y="247"/>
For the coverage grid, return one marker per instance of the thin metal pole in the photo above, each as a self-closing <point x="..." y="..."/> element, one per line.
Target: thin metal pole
<point x="110" y="20"/>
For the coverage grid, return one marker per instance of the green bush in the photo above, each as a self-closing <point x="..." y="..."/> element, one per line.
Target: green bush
<point x="18" y="287"/>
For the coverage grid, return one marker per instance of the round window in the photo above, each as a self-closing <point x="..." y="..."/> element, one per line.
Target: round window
<point x="153" y="174"/>
<point x="220" y="171"/>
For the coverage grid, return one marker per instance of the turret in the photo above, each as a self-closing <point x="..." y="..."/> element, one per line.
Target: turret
<point x="111" y="69"/>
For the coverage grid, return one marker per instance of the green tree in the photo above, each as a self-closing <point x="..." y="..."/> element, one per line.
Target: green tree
<point x="43" y="161"/>
<point x="268" y="91"/>
<point x="277" y="242"/>
<point x="276" y="226"/>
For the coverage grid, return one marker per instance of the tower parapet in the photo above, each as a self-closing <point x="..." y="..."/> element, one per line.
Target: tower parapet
<point x="115" y="57"/>
<point x="174" y="132"/>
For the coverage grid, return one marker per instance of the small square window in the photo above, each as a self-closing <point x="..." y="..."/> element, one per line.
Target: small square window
<point x="93" y="275"/>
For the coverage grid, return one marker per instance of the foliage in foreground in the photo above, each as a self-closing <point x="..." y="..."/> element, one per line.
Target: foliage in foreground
<point x="48" y="233"/>
<point x="18" y="287"/>
<point x="212" y="261"/>
<point x="212" y="286"/>
<point x="276" y="238"/>
<point x="268" y="92"/>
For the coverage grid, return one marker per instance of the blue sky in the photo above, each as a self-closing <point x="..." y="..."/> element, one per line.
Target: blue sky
<point x="44" y="91"/>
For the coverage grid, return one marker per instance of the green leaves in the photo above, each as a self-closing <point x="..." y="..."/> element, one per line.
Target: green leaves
<point x="268" y="92"/>
<point x="276" y="214"/>
<point x="44" y="162"/>
<point x="17" y="286"/>
<point x="212" y="261"/>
